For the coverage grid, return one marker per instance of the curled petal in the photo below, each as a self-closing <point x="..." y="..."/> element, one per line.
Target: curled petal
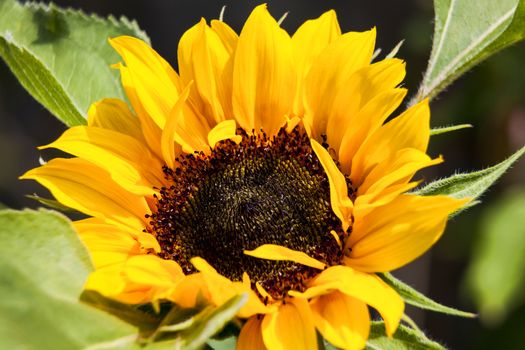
<point x="341" y="204"/>
<point x="342" y="320"/>
<point x="277" y="252"/>
<point x="365" y="287"/>
<point x="250" y="337"/>
<point x="392" y="235"/>
<point x="291" y="327"/>
<point x="222" y="289"/>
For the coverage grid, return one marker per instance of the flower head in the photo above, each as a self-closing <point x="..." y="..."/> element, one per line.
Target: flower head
<point x="264" y="166"/>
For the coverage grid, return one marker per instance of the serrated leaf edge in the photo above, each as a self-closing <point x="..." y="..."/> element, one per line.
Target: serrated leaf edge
<point x="404" y="290"/>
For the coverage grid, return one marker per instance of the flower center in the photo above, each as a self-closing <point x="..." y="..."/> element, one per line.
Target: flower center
<point x="242" y="196"/>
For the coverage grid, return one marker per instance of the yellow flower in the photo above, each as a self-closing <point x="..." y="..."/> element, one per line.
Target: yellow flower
<point x="264" y="166"/>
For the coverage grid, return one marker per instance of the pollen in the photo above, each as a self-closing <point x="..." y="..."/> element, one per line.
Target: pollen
<point x="241" y="196"/>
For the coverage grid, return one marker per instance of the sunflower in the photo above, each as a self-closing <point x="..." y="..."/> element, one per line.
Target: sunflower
<point x="265" y="166"/>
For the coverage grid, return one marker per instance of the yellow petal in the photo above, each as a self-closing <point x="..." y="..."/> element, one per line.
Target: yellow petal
<point x="107" y="244"/>
<point x="312" y="37"/>
<point x="291" y="123"/>
<point x="222" y="289"/>
<point x="223" y="131"/>
<point x="291" y="327"/>
<point x="203" y="58"/>
<point x="146" y="240"/>
<point x="229" y="41"/>
<point x="342" y="320"/>
<point x="263" y="292"/>
<point x="87" y="188"/>
<point x="340" y="108"/>
<point x="102" y="259"/>
<point x="400" y="169"/>
<point x="308" y="41"/>
<point x="203" y="266"/>
<point x="106" y="281"/>
<point x="156" y="84"/>
<point x="185" y="128"/>
<point x="395" y="234"/>
<point x="341" y="204"/>
<point x="263" y="74"/>
<point x="369" y="118"/>
<point x="128" y="161"/>
<point x="114" y="114"/>
<point x="169" y="148"/>
<point x="277" y="252"/>
<point x="364" y="204"/>
<point x="365" y="287"/>
<point x="112" y="283"/>
<point x="250" y="337"/>
<point x="370" y="81"/>
<point x="330" y="72"/>
<point x="189" y="290"/>
<point x="390" y="178"/>
<point x="150" y="129"/>
<point x="151" y="270"/>
<point x="227" y="35"/>
<point x="410" y="130"/>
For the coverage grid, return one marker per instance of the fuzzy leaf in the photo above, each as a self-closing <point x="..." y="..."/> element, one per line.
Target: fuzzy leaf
<point x="222" y="344"/>
<point x="44" y="266"/>
<point x="415" y="298"/>
<point x="465" y="33"/>
<point x="40" y="83"/>
<point x="62" y="57"/>
<point x="177" y="319"/>
<point x="211" y="323"/>
<point x="194" y="332"/>
<point x="470" y="185"/>
<point x="52" y="204"/>
<point x="495" y="276"/>
<point x="404" y="338"/>
<point x="146" y="320"/>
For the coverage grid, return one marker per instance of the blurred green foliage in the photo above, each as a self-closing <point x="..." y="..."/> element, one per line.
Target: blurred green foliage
<point x="496" y="277"/>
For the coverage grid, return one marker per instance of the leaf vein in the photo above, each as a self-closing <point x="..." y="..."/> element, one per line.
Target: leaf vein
<point x="446" y="71"/>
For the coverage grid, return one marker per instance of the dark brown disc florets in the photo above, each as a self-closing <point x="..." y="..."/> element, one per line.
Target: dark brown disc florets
<point x="242" y="196"/>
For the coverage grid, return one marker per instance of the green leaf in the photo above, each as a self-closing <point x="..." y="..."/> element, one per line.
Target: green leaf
<point x="470" y="185"/>
<point x="223" y="344"/>
<point x="40" y="83"/>
<point x="194" y="331"/>
<point x="210" y="323"/>
<point x="44" y="266"/>
<point x="52" y="203"/>
<point x="177" y="319"/>
<point x="495" y="276"/>
<point x="325" y="345"/>
<point x="62" y="57"/>
<point x="446" y="129"/>
<point x="467" y="32"/>
<point x="403" y="338"/>
<point x="147" y="322"/>
<point x="415" y="298"/>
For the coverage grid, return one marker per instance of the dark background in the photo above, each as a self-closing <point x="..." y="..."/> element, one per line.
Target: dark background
<point x="492" y="97"/>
